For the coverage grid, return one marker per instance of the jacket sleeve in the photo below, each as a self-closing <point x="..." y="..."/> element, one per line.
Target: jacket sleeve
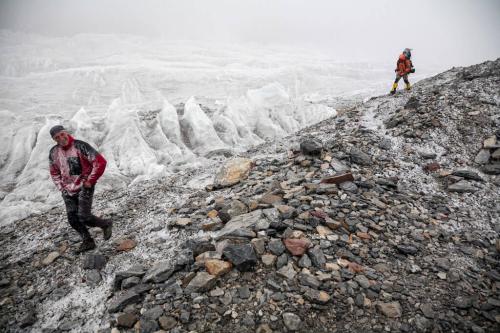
<point x="98" y="167"/>
<point x="408" y="65"/>
<point x="55" y="172"/>
<point x="95" y="159"/>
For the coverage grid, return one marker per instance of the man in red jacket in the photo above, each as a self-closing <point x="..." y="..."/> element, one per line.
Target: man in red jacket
<point x="75" y="166"/>
<point x="404" y="67"/>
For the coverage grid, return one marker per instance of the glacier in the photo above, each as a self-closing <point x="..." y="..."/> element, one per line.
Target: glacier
<point x="152" y="107"/>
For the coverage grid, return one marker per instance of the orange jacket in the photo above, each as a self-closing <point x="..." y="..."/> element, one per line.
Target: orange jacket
<point x="403" y="65"/>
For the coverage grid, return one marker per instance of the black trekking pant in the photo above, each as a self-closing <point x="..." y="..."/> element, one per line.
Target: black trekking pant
<point x="79" y="208"/>
<point x="404" y="76"/>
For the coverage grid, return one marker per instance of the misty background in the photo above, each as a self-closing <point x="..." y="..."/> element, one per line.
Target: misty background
<point x="442" y="33"/>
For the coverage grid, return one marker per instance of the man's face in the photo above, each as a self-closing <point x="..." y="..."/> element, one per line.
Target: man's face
<point x="61" y="138"/>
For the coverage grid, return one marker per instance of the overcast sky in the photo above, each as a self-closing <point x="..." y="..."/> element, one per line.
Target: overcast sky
<point x="454" y="32"/>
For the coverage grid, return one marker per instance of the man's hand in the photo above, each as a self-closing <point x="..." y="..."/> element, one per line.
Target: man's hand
<point x="87" y="184"/>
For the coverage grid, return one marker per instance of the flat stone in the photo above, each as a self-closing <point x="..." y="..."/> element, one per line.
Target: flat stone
<point x="462" y="187"/>
<point x="268" y="260"/>
<point x="93" y="277"/>
<point x="270" y="199"/>
<point x="202" y="282"/>
<point x="127" y="320"/>
<point x="363" y="281"/>
<point x="292" y="321"/>
<point x="483" y="156"/>
<point x="359" y="157"/>
<point x="49" y="259"/>
<point x="217" y="267"/>
<point x="467" y="174"/>
<point x="427" y="310"/>
<point x="317" y="296"/>
<point x="491" y="169"/>
<point x="94" y="261"/>
<point x="160" y="272"/>
<point x="407" y="249"/>
<point x="167" y="322"/>
<point x="309" y="280"/>
<point x="244" y="221"/>
<point x="338" y="179"/>
<point x="391" y="310"/>
<point x="287" y="271"/>
<point x="119" y="302"/>
<point x="490" y="142"/>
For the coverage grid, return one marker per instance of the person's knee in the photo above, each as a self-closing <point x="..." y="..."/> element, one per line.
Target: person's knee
<point x="84" y="217"/>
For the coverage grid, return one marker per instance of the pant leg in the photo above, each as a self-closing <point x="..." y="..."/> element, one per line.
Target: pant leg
<point x="71" y="203"/>
<point x="398" y="77"/>
<point x="85" y="198"/>
<point x="405" y="78"/>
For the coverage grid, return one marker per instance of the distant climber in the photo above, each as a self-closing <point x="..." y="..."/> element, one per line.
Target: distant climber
<point x="404" y="66"/>
<point x="75" y="166"/>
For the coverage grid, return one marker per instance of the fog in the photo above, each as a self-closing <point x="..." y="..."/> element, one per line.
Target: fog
<point x="445" y="33"/>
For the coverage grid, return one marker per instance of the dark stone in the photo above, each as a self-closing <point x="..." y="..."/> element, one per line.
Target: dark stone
<point x="317" y="257"/>
<point x="148" y="326"/>
<point x="276" y="246"/>
<point x="94" y="261"/>
<point x="311" y="147"/>
<point x="492" y="169"/>
<point x="28" y="319"/>
<point x="241" y="256"/>
<point x="118" y="303"/>
<point x="359" y="157"/>
<point x="467" y="174"/>
<point x="407" y="249"/>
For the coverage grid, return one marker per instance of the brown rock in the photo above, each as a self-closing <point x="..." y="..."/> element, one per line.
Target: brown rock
<point x="323" y="231"/>
<point x="431" y="167"/>
<point x="270" y="199"/>
<point x="337" y="179"/>
<point x="297" y="247"/>
<point x="391" y="310"/>
<point x="217" y="267"/>
<point x="232" y="172"/>
<point x="126" y="320"/>
<point x="126" y="245"/>
<point x="213" y="213"/>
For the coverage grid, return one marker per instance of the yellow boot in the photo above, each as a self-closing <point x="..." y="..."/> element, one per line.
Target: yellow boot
<point x="408" y="86"/>
<point x="394" y="87"/>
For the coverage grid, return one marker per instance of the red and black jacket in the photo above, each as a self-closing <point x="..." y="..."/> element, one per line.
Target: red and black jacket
<point x="70" y="166"/>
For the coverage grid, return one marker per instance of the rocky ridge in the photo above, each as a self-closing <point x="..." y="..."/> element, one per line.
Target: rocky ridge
<point x="385" y="218"/>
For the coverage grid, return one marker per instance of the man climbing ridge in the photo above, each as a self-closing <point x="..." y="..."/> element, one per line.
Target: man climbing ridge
<point x="404" y="66"/>
<point x="75" y="166"/>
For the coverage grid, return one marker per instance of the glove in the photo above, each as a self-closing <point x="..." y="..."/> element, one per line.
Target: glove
<point x="412" y="70"/>
<point x="65" y="193"/>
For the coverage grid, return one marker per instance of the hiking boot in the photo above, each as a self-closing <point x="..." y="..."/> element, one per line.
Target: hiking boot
<point x="394" y="87"/>
<point x="408" y="86"/>
<point x="87" y="245"/>
<point x="107" y="231"/>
